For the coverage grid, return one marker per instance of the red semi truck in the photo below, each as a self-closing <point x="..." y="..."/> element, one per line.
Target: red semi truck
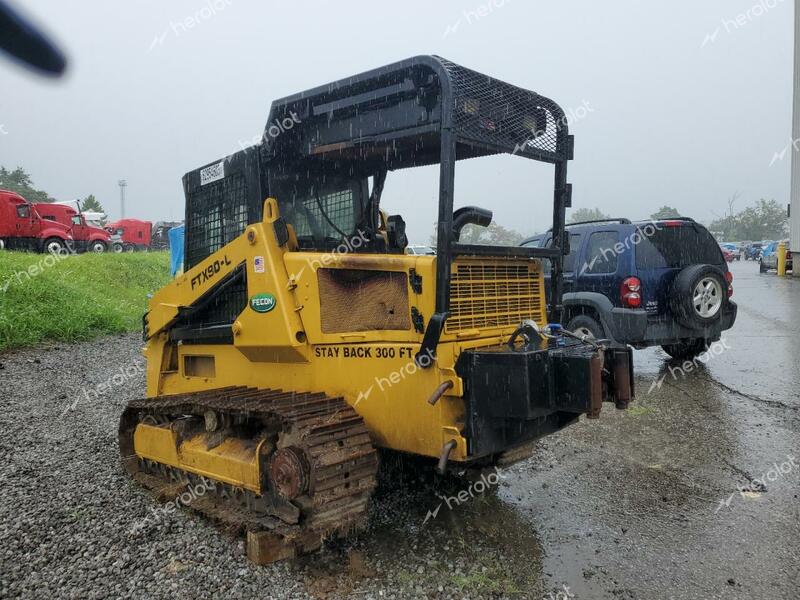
<point x="23" y="228"/>
<point x="86" y="237"/>
<point x="129" y="235"/>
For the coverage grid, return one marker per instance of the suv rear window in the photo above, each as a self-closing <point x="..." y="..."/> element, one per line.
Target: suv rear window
<point x="677" y="247"/>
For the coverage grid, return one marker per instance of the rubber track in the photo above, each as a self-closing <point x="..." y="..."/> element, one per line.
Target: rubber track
<point x="334" y="437"/>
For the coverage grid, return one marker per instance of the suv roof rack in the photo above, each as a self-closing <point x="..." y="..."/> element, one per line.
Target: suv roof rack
<point x="621" y="220"/>
<point x="689" y="219"/>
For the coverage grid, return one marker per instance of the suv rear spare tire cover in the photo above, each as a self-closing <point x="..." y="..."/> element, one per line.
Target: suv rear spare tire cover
<point x="699" y="293"/>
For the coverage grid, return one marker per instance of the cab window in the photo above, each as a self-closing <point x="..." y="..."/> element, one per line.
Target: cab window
<point x="323" y="211"/>
<point x="76" y="220"/>
<point x="24" y="211"/>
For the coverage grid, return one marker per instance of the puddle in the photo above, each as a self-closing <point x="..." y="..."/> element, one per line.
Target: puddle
<point x="446" y="539"/>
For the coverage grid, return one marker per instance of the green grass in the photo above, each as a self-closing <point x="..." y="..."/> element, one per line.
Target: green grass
<point x="75" y="298"/>
<point x="636" y="411"/>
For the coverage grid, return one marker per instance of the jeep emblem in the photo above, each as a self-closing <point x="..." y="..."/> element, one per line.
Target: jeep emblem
<point x="263" y="303"/>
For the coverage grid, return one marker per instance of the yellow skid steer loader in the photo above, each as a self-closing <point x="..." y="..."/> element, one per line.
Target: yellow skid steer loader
<point x="302" y="338"/>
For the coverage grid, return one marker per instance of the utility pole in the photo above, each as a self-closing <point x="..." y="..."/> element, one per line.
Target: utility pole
<point x="794" y="219"/>
<point x="729" y="224"/>
<point x="122" y="185"/>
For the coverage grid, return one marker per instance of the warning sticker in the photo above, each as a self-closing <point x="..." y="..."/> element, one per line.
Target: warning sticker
<point x="258" y="264"/>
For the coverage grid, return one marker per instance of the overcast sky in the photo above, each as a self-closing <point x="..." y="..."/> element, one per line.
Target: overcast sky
<point x="684" y="102"/>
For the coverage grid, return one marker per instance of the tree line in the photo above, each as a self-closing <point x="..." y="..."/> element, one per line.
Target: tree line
<point x="766" y="220"/>
<point x="20" y="182"/>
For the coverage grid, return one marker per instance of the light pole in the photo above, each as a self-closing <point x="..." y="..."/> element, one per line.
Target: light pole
<point x="122" y="185"/>
<point x="794" y="219"/>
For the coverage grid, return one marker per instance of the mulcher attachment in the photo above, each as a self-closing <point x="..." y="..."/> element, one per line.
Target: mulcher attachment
<point x="289" y="468"/>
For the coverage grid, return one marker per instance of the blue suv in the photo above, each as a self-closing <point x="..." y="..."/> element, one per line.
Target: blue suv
<point x="646" y="283"/>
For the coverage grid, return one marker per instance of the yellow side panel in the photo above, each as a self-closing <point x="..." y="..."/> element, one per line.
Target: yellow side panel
<point x="156" y="443"/>
<point x="380" y="381"/>
<point x="234" y="461"/>
<point x="304" y="266"/>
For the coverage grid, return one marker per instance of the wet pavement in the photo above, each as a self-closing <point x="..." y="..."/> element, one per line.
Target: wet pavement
<point x="645" y="503"/>
<point x="639" y="504"/>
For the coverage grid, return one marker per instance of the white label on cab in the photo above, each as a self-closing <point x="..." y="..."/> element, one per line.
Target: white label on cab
<point x="212" y="173"/>
<point x="258" y="264"/>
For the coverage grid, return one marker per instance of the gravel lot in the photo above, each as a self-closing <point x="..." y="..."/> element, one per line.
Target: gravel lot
<point x="74" y="526"/>
<point x="624" y="507"/>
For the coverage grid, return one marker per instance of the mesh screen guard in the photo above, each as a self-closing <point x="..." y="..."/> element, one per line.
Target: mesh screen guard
<point x="394" y="115"/>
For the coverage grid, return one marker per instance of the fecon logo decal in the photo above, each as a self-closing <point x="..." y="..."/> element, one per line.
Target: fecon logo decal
<point x="263" y="303"/>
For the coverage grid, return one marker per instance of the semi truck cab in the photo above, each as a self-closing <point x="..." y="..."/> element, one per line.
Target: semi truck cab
<point x="23" y="228"/>
<point x="130" y="235"/>
<point x="86" y="237"/>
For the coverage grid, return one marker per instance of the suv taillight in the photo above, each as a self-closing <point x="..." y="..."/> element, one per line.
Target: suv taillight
<point x="729" y="279"/>
<point x="630" y="292"/>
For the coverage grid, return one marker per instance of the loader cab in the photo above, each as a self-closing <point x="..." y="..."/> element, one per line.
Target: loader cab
<point x="328" y="170"/>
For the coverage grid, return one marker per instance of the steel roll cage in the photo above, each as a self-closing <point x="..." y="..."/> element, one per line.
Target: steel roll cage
<point x="326" y="117"/>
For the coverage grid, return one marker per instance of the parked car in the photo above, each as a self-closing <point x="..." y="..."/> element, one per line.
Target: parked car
<point x="728" y="254"/>
<point x="85" y="237"/>
<point x="769" y="257"/>
<point x="649" y="283"/>
<point x="420" y="250"/>
<point x="753" y="251"/>
<point x="731" y="251"/>
<point x="23" y="228"/>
